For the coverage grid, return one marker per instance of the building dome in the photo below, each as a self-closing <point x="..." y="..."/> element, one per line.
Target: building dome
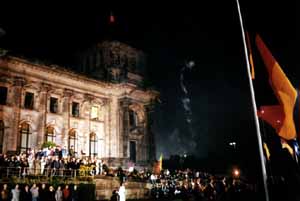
<point x="113" y="61"/>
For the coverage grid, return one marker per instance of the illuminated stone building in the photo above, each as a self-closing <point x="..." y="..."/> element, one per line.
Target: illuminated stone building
<point x="100" y="109"/>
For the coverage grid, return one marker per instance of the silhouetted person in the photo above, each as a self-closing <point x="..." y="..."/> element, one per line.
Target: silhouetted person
<point x="51" y="194"/>
<point x="43" y="193"/>
<point x="115" y="196"/>
<point x="75" y="195"/>
<point x="209" y="191"/>
<point x="26" y="194"/>
<point x="4" y="193"/>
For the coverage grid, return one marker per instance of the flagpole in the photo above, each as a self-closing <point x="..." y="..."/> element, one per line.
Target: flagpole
<point x="260" y="146"/>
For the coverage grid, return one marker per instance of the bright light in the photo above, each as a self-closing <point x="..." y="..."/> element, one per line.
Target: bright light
<point x="236" y="172"/>
<point x="190" y="64"/>
<point x="130" y="169"/>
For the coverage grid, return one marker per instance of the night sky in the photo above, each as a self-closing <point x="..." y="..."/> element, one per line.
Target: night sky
<point x="208" y="33"/>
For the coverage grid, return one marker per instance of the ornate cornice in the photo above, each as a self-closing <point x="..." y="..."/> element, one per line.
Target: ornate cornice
<point x="68" y="93"/>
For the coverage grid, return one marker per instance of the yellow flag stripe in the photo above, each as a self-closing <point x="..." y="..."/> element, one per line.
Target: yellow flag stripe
<point x="250" y="56"/>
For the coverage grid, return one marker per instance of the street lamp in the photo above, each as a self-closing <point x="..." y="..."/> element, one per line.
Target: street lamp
<point x="232" y="144"/>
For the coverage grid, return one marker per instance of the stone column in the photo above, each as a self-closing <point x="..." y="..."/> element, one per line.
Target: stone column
<point x="43" y="103"/>
<point x="144" y="142"/>
<point x="124" y="135"/>
<point x="149" y="137"/>
<point x="14" y="138"/>
<point x="106" y="130"/>
<point x="67" y="97"/>
<point x="114" y="127"/>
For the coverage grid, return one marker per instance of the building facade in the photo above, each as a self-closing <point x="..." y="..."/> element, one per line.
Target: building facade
<point x="108" y="117"/>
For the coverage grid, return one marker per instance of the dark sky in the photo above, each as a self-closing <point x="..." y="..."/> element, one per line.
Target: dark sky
<point x="208" y="33"/>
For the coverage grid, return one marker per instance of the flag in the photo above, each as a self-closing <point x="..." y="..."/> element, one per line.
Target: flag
<point x="250" y="56"/>
<point x="283" y="89"/>
<point x="267" y="151"/>
<point x="158" y="165"/>
<point x="273" y="115"/>
<point x="284" y="144"/>
<point x="160" y="162"/>
<point x="296" y="115"/>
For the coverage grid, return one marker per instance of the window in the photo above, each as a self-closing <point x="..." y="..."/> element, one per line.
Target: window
<point x="25" y="137"/>
<point x="50" y="134"/>
<point x="132" y="151"/>
<point x="93" y="144"/>
<point x="53" y="105"/>
<point x="3" y="95"/>
<point x="72" y="142"/>
<point x="1" y="135"/>
<point x="95" y="113"/>
<point x="29" y="100"/>
<point x="75" y="109"/>
<point x="133" y="120"/>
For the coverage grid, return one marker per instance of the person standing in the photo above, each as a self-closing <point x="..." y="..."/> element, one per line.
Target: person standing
<point x="51" y="194"/>
<point x="37" y="166"/>
<point x="66" y="193"/>
<point x="59" y="194"/>
<point x="15" y="193"/>
<point x="72" y="151"/>
<point x="4" y="193"/>
<point x="122" y="192"/>
<point x="75" y="195"/>
<point x="26" y="194"/>
<point x="99" y="166"/>
<point x="115" y="196"/>
<point x="64" y="152"/>
<point x="43" y="193"/>
<point x="34" y="192"/>
<point x="43" y="164"/>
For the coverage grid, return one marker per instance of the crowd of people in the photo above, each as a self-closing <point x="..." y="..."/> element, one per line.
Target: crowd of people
<point x="185" y="184"/>
<point x="195" y="185"/>
<point x="49" y="162"/>
<point x="39" y="193"/>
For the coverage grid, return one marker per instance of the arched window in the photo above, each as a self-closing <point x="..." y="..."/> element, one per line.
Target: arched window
<point x="93" y="144"/>
<point x="50" y="134"/>
<point x="72" y="142"/>
<point x="25" y="136"/>
<point x="1" y="135"/>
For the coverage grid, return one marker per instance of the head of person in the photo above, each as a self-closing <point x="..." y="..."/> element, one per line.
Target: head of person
<point x="51" y="188"/>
